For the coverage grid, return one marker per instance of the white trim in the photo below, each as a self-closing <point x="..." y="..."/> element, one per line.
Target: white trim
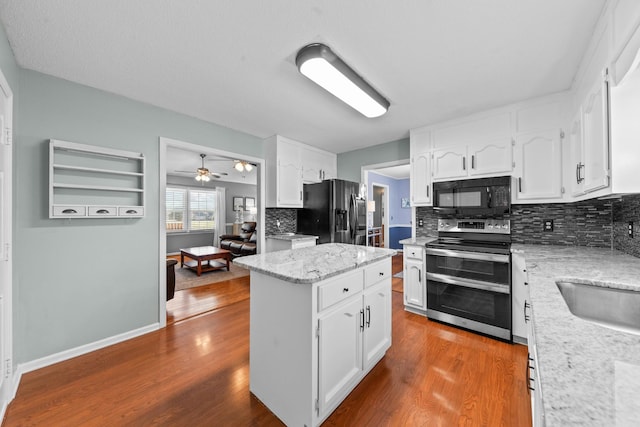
<point x="23" y="368"/>
<point x="366" y="168"/>
<point x="400" y="225"/>
<point x="385" y="223"/>
<point x="162" y="235"/>
<point x="14" y="380"/>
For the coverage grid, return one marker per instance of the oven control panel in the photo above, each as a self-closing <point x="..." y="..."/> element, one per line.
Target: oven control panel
<point x="494" y="226"/>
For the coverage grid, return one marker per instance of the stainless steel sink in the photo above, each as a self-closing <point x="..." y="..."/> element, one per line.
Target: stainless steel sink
<point x="610" y="307"/>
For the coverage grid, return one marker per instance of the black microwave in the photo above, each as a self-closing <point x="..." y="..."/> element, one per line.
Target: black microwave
<point x="481" y="196"/>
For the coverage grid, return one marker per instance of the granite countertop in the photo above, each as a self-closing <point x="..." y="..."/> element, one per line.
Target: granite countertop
<point x="291" y="237"/>
<point x="589" y="374"/>
<point x="314" y="263"/>
<point x="420" y="241"/>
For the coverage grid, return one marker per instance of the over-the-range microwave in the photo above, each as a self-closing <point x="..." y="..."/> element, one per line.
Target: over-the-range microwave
<point x="481" y="196"/>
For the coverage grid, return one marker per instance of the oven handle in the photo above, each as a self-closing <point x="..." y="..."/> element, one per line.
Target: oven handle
<point x="469" y="255"/>
<point x="468" y="283"/>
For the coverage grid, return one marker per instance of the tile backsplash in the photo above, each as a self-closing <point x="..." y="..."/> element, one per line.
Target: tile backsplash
<point x="597" y="223"/>
<point x="288" y="220"/>
<point x="624" y="211"/>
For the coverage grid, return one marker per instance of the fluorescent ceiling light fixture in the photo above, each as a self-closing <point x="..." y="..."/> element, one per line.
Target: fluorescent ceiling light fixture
<point x="318" y="62"/>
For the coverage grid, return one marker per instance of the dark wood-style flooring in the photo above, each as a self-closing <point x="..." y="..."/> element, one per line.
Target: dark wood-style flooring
<point x="195" y="372"/>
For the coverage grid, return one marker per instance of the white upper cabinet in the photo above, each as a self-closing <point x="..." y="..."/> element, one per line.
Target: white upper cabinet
<point x="575" y="156"/>
<point x="538" y="166"/>
<point x="318" y="165"/>
<point x="420" y="171"/>
<point x="476" y="159"/>
<point x="490" y="157"/>
<point x="283" y="173"/>
<point x="290" y="164"/>
<point x="473" y="147"/>
<point x="595" y="137"/>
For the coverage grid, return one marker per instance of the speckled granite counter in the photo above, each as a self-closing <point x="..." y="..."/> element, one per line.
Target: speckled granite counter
<point x="590" y="375"/>
<point x="291" y="237"/>
<point x="420" y="241"/>
<point x="312" y="264"/>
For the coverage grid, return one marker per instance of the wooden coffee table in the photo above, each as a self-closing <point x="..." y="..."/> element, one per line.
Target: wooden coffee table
<point x="205" y="253"/>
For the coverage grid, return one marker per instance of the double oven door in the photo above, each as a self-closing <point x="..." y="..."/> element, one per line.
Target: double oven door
<point x="470" y="289"/>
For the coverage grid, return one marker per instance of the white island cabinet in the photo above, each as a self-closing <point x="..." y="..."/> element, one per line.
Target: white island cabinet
<point x="320" y="320"/>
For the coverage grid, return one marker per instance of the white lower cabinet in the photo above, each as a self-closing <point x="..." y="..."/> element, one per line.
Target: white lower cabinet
<point x="414" y="281"/>
<point x="339" y="352"/>
<point x="519" y="296"/>
<point x="311" y="344"/>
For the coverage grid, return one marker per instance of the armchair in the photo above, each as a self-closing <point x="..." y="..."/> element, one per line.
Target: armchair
<point x="243" y="243"/>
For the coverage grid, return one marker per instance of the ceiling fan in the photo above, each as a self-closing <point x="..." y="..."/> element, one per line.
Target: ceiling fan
<point x="239" y="165"/>
<point x="204" y="174"/>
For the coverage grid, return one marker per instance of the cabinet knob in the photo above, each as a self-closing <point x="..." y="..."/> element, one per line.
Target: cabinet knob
<point x="381" y="273"/>
<point x="345" y="289"/>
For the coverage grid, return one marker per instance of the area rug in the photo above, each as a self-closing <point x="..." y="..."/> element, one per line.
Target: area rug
<point x="186" y="279"/>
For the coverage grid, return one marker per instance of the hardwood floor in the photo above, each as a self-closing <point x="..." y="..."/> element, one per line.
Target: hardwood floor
<point x="196" y="373"/>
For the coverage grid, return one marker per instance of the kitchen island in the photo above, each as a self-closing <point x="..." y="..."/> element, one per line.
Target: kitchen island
<point x="589" y="375"/>
<point x="320" y="319"/>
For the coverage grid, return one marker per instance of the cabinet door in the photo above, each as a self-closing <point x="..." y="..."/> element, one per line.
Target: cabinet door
<point x="519" y="296"/>
<point x="538" y="170"/>
<point x="491" y="157"/>
<point x="420" y="181"/>
<point x="377" y="330"/>
<point x="312" y="162"/>
<point x="450" y="162"/>
<point x="575" y="164"/>
<point x="414" y="284"/>
<point x="339" y="352"/>
<point x="289" y="185"/>
<point x="595" y="143"/>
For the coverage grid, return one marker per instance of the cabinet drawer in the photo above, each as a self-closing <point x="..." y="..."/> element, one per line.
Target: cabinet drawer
<point x="413" y="252"/>
<point x="63" y="211"/>
<point x="102" y="211"/>
<point x="130" y="211"/>
<point x="336" y="290"/>
<point x="377" y="272"/>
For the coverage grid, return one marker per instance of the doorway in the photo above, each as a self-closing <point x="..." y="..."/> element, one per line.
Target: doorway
<point x="393" y="210"/>
<point x="169" y="145"/>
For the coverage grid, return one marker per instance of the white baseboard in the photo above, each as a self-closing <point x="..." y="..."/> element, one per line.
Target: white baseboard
<point x="23" y="368"/>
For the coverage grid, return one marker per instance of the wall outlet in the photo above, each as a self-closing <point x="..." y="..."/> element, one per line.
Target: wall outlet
<point x="630" y="229"/>
<point x="547" y="225"/>
<point x="420" y="222"/>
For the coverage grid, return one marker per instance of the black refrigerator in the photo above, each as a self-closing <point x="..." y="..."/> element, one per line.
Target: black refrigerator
<point x="335" y="211"/>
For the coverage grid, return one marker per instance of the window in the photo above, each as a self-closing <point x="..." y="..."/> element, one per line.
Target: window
<point x="190" y="209"/>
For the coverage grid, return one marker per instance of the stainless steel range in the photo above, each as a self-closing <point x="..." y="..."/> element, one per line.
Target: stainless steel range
<point x="469" y="275"/>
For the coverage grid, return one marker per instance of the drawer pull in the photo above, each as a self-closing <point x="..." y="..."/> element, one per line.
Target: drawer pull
<point x="70" y="211"/>
<point x="132" y="211"/>
<point x="102" y="211"/>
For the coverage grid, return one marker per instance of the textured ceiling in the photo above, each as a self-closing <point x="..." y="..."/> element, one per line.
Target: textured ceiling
<point x="231" y="62"/>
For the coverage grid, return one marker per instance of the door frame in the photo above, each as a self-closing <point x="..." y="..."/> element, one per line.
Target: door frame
<point x="9" y="385"/>
<point x="385" y="219"/>
<point x="164" y="143"/>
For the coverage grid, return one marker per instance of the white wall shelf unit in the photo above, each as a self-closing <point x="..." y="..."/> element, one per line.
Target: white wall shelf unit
<point x="86" y="181"/>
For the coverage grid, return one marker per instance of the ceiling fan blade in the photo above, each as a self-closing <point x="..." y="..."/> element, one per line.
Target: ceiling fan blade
<point x="189" y="172"/>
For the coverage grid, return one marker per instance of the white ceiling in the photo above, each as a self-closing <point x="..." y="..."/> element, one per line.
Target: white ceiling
<point x="232" y="62"/>
<point x="395" y="172"/>
<point x="179" y="159"/>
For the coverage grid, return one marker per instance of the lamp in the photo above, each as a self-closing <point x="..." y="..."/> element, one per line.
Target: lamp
<point x="318" y="62"/>
<point x="371" y="206"/>
<point x="241" y="166"/>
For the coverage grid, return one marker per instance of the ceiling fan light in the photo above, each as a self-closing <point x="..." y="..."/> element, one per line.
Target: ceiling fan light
<point x="238" y="166"/>
<point x="198" y="177"/>
<point x="248" y="167"/>
<point x="318" y="63"/>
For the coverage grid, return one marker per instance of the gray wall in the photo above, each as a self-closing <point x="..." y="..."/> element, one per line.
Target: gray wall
<point x="349" y="163"/>
<point x="175" y="241"/>
<point x="77" y="281"/>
